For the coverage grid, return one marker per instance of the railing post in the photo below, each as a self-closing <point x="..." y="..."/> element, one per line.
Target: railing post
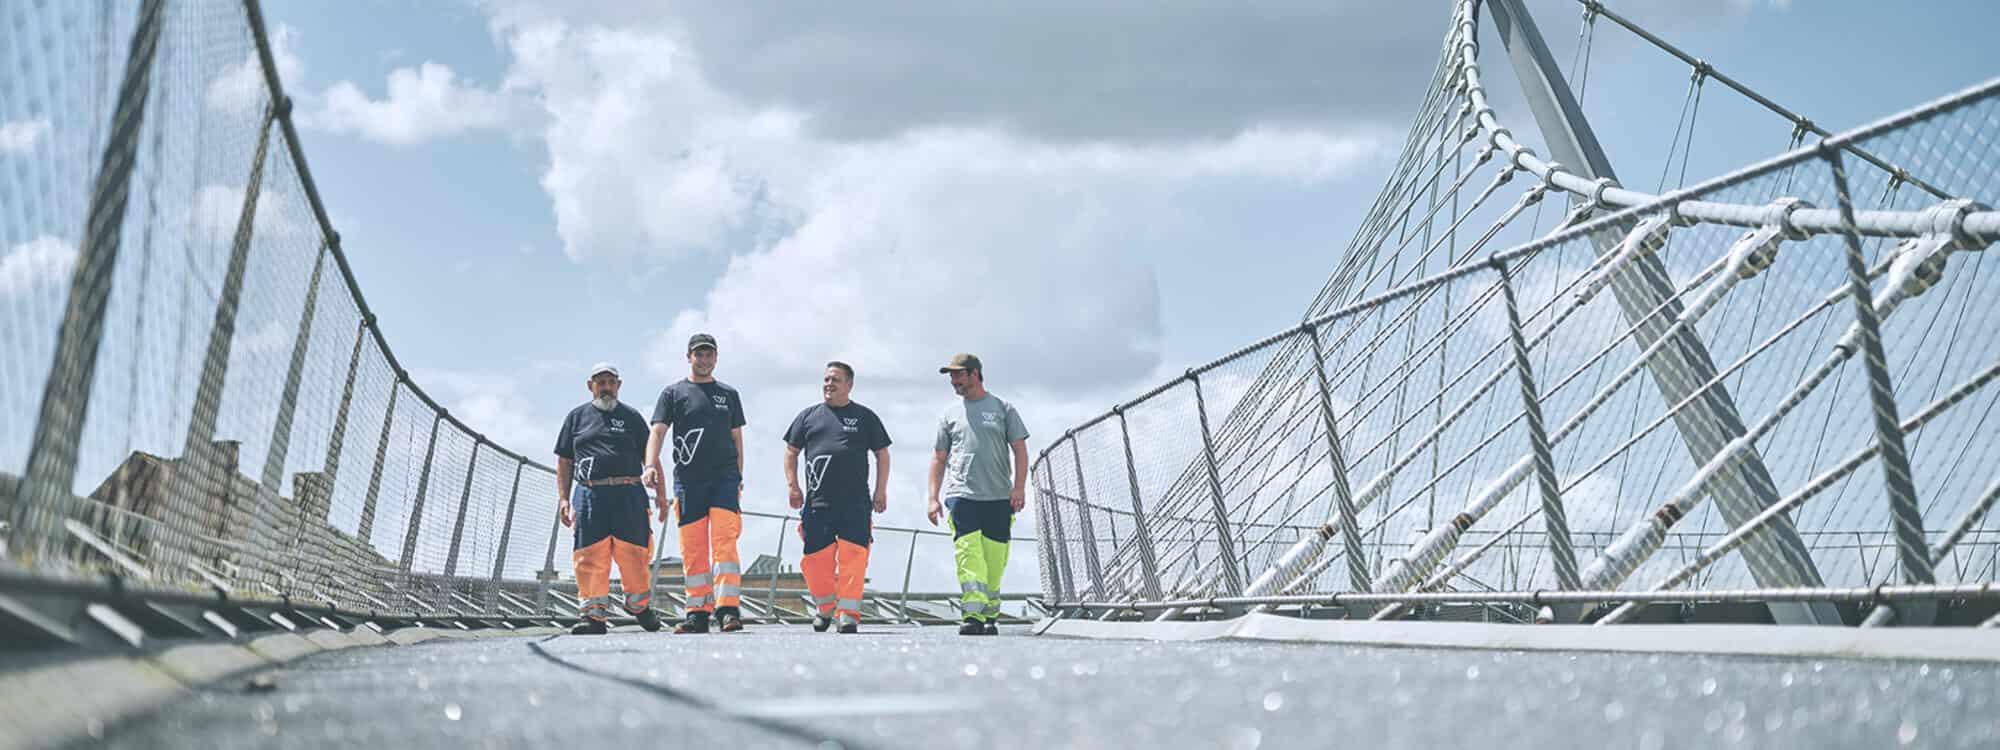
<point x="771" y="582"/>
<point x="1554" y="519"/>
<point x="270" y="482"/>
<point x="547" y="576"/>
<point x="339" y="435"/>
<point x="46" y="488"/>
<point x="1343" y="495"/>
<point x="1148" y="563"/>
<point x="1090" y="561"/>
<point x="1912" y="549"/>
<point x="909" y="564"/>
<point x="199" y="471"/>
<point x="506" y="536"/>
<point x="1065" y="583"/>
<point x="367" y="525"/>
<point x="417" y="503"/>
<point x="464" y="499"/>
<point x="1232" y="574"/>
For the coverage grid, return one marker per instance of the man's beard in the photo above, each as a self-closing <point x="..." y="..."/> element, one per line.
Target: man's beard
<point x="605" y="403"/>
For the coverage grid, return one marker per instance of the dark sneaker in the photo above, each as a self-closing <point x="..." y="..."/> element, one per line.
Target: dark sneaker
<point x="649" y="619"/>
<point x="972" y="626"/>
<point x="850" y="628"/>
<point x="729" y="618"/>
<point x="589" y="627"/>
<point x="821" y="622"/>
<point x="992" y="628"/>
<point x="696" y="622"/>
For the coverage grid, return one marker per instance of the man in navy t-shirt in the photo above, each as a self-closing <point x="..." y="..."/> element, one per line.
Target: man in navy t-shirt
<point x="597" y="451"/>
<point x="706" y="419"/>
<point x="836" y="437"/>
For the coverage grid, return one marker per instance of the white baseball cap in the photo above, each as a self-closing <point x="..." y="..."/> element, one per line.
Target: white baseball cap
<point x="604" y="367"/>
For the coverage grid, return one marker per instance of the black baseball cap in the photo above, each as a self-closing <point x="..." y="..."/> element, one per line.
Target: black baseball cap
<point x="700" y="340"/>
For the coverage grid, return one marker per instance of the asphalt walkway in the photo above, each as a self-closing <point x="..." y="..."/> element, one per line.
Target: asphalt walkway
<point x="903" y="687"/>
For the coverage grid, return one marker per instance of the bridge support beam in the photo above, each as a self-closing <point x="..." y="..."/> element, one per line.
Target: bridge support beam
<point x="1148" y="562"/>
<point x="1225" y="540"/>
<point x="367" y="525"/>
<point x="507" y="535"/>
<point x="403" y="561"/>
<point x="44" y="494"/>
<point x="1777" y="558"/>
<point x="1090" y="561"/>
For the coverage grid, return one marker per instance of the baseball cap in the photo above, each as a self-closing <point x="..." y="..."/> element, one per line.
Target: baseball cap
<point x="962" y="362"/>
<point x="700" y="340"/>
<point x="602" y="367"/>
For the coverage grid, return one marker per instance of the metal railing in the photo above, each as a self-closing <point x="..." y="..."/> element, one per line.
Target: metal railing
<point x="1552" y="417"/>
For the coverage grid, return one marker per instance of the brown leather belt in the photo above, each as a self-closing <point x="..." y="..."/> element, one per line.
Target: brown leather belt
<point x="611" y="482"/>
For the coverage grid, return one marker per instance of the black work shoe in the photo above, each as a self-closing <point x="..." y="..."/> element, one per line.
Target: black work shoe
<point x="992" y="628"/>
<point x="696" y="622"/>
<point x="729" y="618"/>
<point x="589" y="627"/>
<point x="972" y="626"/>
<point x="649" y="619"/>
<point x="821" y="622"/>
<point x="850" y="628"/>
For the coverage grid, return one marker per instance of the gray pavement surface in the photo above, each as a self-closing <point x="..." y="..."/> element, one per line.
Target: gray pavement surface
<point x="900" y="687"/>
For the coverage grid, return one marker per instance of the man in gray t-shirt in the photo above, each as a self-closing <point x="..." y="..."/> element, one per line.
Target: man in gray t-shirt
<point x="980" y="467"/>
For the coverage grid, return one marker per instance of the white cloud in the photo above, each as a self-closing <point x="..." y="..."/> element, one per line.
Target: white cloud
<point x="217" y="208"/>
<point x="494" y="403"/>
<point x="43" y="260"/>
<point x="889" y="253"/>
<point x="425" y="102"/>
<point x="18" y="136"/>
<point x="240" y="87"/>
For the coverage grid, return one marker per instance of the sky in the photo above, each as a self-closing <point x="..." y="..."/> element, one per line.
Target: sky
<point x="1091" y="197"/>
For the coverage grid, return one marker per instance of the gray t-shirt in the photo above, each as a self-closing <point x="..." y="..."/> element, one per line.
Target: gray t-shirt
<point x="975" y="436"/>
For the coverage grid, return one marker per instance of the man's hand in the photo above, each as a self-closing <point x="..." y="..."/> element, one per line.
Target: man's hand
<point x="651" y="478"/>
<point x="934" y="512"/>
<point x="1017" y="499"/>
<point x="881" y="499"/>
<point x="666" y="505"/>
<point x="562" y="510"/>
<point x="797" y="498"/>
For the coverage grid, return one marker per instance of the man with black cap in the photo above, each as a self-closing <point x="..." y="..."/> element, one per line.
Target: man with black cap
<point x="980" y="466"/>
<point x="598" y="453"/>
<point x="706" y="420"/>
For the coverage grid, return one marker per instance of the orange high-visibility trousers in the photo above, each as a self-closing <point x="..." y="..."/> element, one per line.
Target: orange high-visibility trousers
<point x="835" y="564"/>
<point x="710" y="522"/>
<point x="611" y="529"/>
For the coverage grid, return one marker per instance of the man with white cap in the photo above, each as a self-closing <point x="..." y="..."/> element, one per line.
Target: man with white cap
<point x="597" y="455"/>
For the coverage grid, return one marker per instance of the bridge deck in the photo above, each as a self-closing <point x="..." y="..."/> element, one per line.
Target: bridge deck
<point x="913" y="687"/>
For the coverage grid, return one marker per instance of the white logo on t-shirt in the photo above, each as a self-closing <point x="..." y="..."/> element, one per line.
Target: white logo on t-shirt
<point x="850" y="424"/>
<point x="686" y="445"/>
<point x="816" y="470"/>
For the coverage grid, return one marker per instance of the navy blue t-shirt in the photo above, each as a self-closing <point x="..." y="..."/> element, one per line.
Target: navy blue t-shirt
<point x="702" y="415"/>
<point x="603" y="444"/>
<point x="835" y="442"/>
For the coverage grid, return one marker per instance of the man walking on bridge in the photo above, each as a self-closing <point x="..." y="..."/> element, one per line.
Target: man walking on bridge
<point x="599" y="449"/>
<point x="706" y="420"/>
<point x="980" y="466"/>
<point x="836" y="436"/>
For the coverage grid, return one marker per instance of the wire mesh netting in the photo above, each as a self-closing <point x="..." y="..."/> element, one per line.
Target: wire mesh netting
<point x="198" y="394"/>
<point x="1772" y="380"/>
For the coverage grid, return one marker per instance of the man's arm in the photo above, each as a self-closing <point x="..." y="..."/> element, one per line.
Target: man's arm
<point x="1018" y="497"/>
<point x="736" y="434"/>
<point x="881" y="479"/>
<point x="935" y="509"/>
<point x="563" y="466"/>
<point x="655" y="438"/>
<point x="797" y="499"/>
